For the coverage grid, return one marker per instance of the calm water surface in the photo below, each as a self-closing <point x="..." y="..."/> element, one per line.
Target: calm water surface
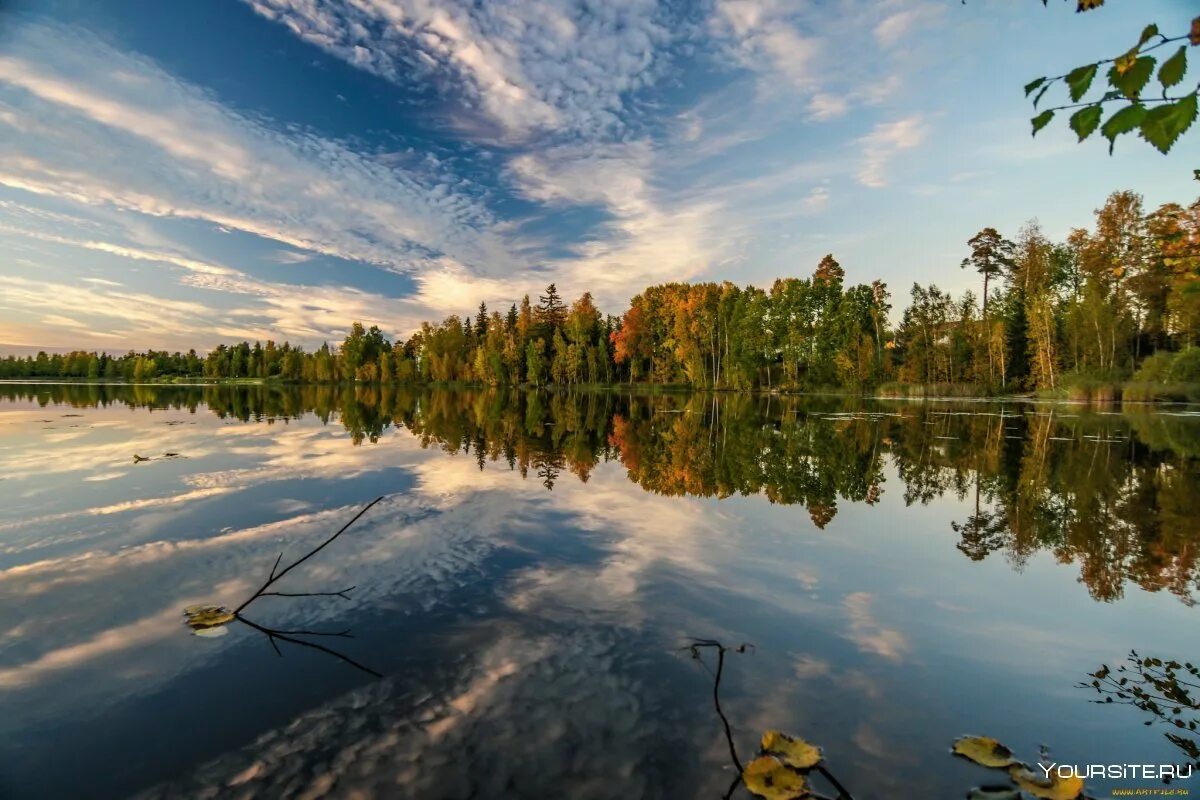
<point x="905" y="572"/>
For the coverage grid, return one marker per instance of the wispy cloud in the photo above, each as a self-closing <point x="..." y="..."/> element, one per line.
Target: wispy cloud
<point x="883" y="143"/>
<point x="113" y="129"/>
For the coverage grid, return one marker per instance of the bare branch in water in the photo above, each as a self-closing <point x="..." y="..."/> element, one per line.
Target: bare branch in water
<point x="695" y="647"/>
<point x="289" y="636"/>
<point x="276" y="635"/>
<point x="275" y="576"/>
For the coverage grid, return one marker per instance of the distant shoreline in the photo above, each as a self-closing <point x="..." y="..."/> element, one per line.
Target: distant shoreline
<point x="1113" y="394"/>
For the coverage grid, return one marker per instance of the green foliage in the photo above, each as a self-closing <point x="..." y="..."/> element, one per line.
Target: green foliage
<point x="1129" y="75"/>
<point x="1173" y="68"/>
<point x="1155" y="369"/>
<point x="1185" y="368"/>
<point x="1164" y="124"/>
<point x="1085" y="121"/>
<point x="1079" y="80"/>
<point x="1126" y="120"/>
<point x="1160" y="121"/>
<point x="1042" y="120"/>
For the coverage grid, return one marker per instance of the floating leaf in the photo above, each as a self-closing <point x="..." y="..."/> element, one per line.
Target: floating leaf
<point x="1041" y="121"/>
<point x="767" y="777"/>
<point x="1085" y="121"/>
<point x="1124" y="121"/>
<point x="1087" y="5"/>
<point x="790" y="750"/>
<point x="1130" y="77"/>
<point x="1079" y="80"/>
<point x="1164" y="124"/>
<point x="985" y="751"/>
<point x="1047" y="788"/>
<point x="1173" y="68"/>
<point x="202" y="617"/>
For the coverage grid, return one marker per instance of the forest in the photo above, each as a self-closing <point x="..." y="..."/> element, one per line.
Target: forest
<point x="1112" y="309"/>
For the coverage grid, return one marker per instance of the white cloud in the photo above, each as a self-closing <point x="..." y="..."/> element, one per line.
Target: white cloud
<point x="883" y="143"/>
<point x="763" y="35"/>
<point x="896" y="27"/>
<point x="817" y="199"/>
<point x="114" y="130"/>
<point x="539" y="65"/>
<point x="828" y="106"/>
<point x="652" y="236"/>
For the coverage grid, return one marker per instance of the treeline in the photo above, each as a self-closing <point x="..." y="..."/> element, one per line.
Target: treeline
<point x="1114" y="303"/>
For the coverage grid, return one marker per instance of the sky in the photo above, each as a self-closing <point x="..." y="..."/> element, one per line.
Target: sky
<point x="175" y="175"/>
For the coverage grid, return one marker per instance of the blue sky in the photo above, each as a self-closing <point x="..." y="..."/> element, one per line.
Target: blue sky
<point x="180" y="174"/>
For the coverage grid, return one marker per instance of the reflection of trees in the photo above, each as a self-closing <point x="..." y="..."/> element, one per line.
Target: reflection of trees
<point x="1117" y="494"/>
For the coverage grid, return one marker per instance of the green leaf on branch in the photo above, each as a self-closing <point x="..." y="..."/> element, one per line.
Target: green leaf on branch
<point x="1148" y="33"/>
<point x="1130" y="76"/>
<point x="1029" y="87"/>
<point x="1079" y="80"/>
<point x="1085" y="121"/>
<point x="1041" y="121"/>
<point x="1124" y="121"/>
<point x="1164" y="124"/>
<point x="1041" y="94"/>
<point x="1173" y="68"/>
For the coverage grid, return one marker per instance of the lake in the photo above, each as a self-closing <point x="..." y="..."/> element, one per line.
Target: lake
<point x="528" y="587"/>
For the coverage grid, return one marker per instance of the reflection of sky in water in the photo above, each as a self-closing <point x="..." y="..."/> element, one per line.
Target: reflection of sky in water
<point x="529" y="637"/>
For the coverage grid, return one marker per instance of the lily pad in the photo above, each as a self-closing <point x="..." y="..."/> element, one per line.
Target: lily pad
<point x="1052" y="788"/>
<point x="985" y="751"/>
<point x="771" y="779"/>
<point x="203" y="617"/>
<point x="790" y="750"/>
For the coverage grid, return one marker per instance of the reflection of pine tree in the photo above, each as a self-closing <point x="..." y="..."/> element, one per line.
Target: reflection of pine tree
<point x="480" y="450"/>
<point x="548" y="470"/>
<point x="983" y="533"/>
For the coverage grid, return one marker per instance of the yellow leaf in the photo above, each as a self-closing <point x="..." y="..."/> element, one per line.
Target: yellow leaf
<point x="767" y="777"/>
<point x="1052" y="788"/>
<point x="200" y="617"/>
<point x="1126" y="62"/>
<point x="790" y="750"/>
<point x="985" y="751"/>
